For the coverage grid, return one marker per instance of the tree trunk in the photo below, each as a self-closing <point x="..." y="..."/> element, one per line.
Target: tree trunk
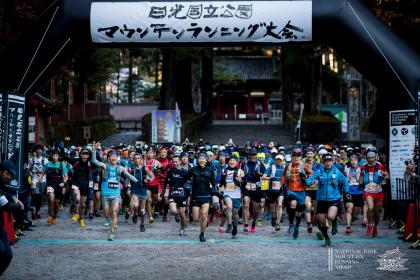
<point x="183" y="84"/>
<point x="207" y="83"/>
<point x="167" y="91"/>
<point x="130" y="77"/>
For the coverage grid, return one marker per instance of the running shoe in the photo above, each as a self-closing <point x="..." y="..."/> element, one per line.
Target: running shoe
<point x="334" y="229"/>
<point x="142" y="228"/>
<point x="97" y="215"/>
<point x="327" y="242"/>
<point x="349" y="230"/>
<point x="75" y="217"/>
<point x="253" y="229"/>
<point x="156" y="215"/>
<point x="375" y="231"/>
<point x="310" y="228"/>
<point x="295" y="232"/>
<point x="369" y="231"/>
<point x="234" y="231"/>
<point x="177" y="217"/>
<point x="221" y="230"/>
<point x="91" y="216"/>
<point x="273" y="222"/>
<point x="290" y="230"/>
<point x="110" y="237"/>
<point x="107" y="223"/>
<point x="229" y="229"/>
<point x="127" y="216"/>
<point x="135" y="219"/>
<point x="54" y="221"/>
<point x="61" y="207"/>
<point x="182" y="232"/>
<point x="82" y="223"/>
<point x="33" y="216"/>
<point x="319" y="235"/>
<point x="165" y="218"/>
<point x="277" y="228"/>
<point x="202" y="238"/>
<point x="259" y="223"/>
<point x="364" y="223"/>
<point x="246" y="229"/>
<point x="151" y="220"/>
<point x="50" y="218"/>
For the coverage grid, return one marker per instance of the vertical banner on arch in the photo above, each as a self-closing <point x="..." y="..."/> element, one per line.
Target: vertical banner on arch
<point x="13" y="129"/>
<point x="402" y="139"/>
<point x="201" y="21"/>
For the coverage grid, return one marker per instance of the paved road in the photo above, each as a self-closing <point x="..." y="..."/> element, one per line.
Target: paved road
<point x="64" y="251"/>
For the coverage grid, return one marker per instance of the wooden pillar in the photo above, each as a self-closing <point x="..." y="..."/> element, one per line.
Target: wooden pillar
<point x="207" y="82"/>
<point x="36" y="126"/>
<point x="218" y="104"/>
<point x="265" y="110"/>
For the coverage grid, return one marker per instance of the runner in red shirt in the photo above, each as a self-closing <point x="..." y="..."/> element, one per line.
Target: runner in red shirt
<point x="372" y="176"/>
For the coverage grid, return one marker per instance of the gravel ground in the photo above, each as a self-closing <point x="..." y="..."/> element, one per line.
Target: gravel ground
<point x="64" y="251"/>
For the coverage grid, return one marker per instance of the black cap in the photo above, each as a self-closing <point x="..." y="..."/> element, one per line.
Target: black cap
<point x="253" y="152"/>
<point x="85" y="151"/>
<point x="327" y="156"/>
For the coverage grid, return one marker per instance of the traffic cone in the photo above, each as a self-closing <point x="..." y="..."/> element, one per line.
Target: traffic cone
<point x="411" y="227"/>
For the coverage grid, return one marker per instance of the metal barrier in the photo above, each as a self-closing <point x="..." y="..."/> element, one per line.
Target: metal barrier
<point x="408" y="192"/>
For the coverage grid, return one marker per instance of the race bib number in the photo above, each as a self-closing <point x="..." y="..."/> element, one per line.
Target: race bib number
<point x="372" y="187"/>
<point x="178" y="193"/>
<point x="230" y="187"/>
<point x="50" y="189"/>
<point x="353" y="181"/>
<point x="251" y="186"/>
<point x="264" y="184"/>
<point x="90" y="184"/>
<point x="113" y="185"/>
<point x="276" y="185"/>
<point x="96" y="187"/>
<point x="74" y="187"/>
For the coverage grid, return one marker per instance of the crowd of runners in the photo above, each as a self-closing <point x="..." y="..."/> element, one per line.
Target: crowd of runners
<point x="306" y="188"/>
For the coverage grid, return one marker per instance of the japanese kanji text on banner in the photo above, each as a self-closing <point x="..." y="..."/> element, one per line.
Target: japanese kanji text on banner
<point x="201" y="21"/>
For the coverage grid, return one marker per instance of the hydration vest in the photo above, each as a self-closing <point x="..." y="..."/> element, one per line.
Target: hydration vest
<point x="105" y="174"/>
<point x="55" y="175"/>
<point x="289" y="170"/>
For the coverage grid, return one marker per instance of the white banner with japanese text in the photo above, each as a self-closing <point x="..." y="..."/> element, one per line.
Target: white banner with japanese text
<point x="201" y="21"/>
<point x="402" y="139"/>
<point x="13" y="130"/>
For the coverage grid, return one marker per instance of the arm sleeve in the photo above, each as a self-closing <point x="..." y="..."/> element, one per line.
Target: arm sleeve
<point x="94" y="160"/>
<point x="212" y="179"/>
<point x="312" y="178"/>
<point x="343" y="180"/>
<point x="131" y="177"/>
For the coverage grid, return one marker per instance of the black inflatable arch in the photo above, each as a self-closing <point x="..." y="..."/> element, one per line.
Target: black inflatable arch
<point x="346" y="25"/>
